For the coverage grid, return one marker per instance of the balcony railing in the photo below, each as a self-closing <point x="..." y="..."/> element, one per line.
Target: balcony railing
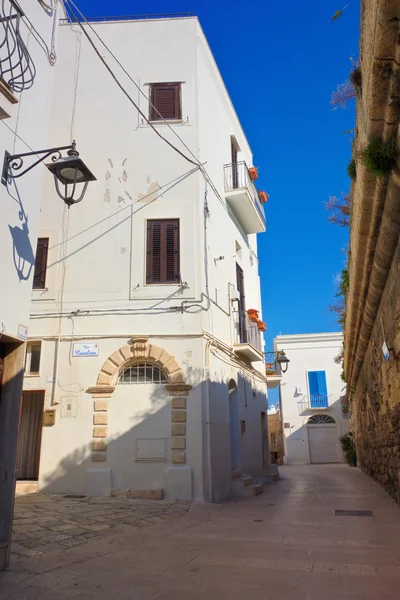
<point x="319" y="401"/>
<point x="236" y="179"/>
<point x="247" y="331"/>
<point x="314" y="402"/>
<point x="16" y="66"/>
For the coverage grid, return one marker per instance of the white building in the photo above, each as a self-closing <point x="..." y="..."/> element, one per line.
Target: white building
<point x="25" y="82"/>
<point x="141" y="353"/>
<point x="313" y="417"/>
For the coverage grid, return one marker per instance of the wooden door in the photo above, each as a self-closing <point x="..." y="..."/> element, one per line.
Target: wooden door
<point x="30" y="436"/>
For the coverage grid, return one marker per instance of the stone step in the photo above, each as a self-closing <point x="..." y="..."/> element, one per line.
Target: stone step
<point x="26" y="487"/>
<point x="236" y="473"/>
<point x="247" y="481"/>
<point x="246" y="491"/>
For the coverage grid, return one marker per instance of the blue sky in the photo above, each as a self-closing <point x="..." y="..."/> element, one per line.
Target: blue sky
<point x="280" y="62"/>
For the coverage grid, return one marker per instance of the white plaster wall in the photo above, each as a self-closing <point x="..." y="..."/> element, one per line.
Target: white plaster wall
<point x="96" y="276"/>
<point x="133" y="411"/>
<point x="29" y="121"/>
<point x="308" y="352"/>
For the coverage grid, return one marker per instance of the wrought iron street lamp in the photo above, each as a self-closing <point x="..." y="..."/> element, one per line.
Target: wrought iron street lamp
<point x="280" y="359"/>
<point x="69" y="170"/>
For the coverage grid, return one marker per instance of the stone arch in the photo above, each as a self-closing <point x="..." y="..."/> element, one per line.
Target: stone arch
<point x="321" y="420"/>
<point x="138" y="350"/>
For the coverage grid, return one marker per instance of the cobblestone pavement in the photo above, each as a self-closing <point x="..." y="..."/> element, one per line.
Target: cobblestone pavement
<point x="285" y="544"/>
<point x="65" y="521"/>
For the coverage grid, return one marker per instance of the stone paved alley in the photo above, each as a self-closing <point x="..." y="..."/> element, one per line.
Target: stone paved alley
<point x="284" y="544"/>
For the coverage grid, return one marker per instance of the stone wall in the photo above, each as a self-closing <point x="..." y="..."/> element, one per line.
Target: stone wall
<point x="376" y="401"/>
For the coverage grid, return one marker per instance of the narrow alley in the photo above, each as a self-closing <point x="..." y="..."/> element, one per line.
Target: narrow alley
<point x="286" y="543"/>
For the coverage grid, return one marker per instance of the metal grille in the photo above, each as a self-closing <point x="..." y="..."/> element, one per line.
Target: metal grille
<point x="16" y="66"/>
<point x="142" y="373"/>
<point x="354" y="513"/>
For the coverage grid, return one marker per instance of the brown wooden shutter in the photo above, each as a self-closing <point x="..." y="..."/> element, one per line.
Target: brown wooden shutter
<point x="39" y="275"/>
<point x="165" y="101"/>
<point x="163" y="251"/>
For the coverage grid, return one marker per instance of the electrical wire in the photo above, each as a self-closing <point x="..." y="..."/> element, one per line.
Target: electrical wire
<point x="207" y="177"/>
<point x="50" y="52"/>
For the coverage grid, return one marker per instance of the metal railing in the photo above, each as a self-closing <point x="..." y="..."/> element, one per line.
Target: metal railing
<point x="16" y="66"/>
<point x="315" y="401"/>
<point x="319" y="401"/>
<point x="247" y="331"/>
<point x="236" y="177"/>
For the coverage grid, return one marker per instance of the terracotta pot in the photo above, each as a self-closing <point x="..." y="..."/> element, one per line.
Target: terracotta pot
<point x="263" y="196"/>
<point x="253" y="315"/>
<point x="262" y="326"/>
<point x="253" y="173"/>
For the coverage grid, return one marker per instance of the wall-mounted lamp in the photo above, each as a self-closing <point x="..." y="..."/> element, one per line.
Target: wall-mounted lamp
<point x="69" y="170"/>
<point x="280" y="359"/>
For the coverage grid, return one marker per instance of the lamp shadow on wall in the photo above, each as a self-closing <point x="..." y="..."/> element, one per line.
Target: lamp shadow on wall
<point x="23" y="255"/>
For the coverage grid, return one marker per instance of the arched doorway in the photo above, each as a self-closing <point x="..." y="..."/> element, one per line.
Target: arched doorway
<point x="234" y="425"/>
<point x="323" y="439"/>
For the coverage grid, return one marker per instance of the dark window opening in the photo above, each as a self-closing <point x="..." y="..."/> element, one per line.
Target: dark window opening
<point x="242" y="305"/>
<point x="39" y="275"/>
<point x="165" y="101"/>
<point x="163" y="260"/>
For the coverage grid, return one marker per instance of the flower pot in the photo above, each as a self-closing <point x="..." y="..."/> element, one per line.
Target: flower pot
<point x="262" y="326"/>
<point x="253" y="315"/>
<point x="253" y="173"/>
<point x="263" y="196"/>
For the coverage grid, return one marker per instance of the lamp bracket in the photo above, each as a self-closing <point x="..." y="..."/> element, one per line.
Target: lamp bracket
<point x="15" y="162"/>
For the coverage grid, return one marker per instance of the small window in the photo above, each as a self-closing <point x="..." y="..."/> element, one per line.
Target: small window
<point x="32" y="360"/>
<point x="165" y="101"/>
<point x="163" y="251"/>
<point x="142" y="373"/>
<point x="39" y="275"/>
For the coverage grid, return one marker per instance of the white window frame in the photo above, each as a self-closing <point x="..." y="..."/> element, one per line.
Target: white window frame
<point x="28" y="358"/>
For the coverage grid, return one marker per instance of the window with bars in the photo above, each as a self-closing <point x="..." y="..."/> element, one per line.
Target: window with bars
<point x="163" y="260"/>
<point x="39" y="275"/>
<point x="165" y="101"/>
<point x="142" y="373"/>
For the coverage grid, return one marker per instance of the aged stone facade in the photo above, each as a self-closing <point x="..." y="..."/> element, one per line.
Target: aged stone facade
<point x="373" y="300"/>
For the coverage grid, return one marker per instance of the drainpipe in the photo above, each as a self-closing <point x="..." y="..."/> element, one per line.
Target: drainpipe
<point x="208" y="418"/>
<point x="55" y="371"/>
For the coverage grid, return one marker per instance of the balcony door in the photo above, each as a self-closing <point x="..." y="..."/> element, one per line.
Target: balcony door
<point x="242" y="305"/>
<point x="234" y="155"/>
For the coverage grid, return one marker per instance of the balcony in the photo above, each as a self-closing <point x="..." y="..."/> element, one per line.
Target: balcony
<point x="314" y="402"/>
<point x="273" y="378"/>
<point x="242" y="196"/>
<point x="249" y="340"/>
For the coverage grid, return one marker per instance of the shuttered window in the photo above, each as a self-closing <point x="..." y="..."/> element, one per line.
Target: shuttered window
<point x="163" y="251"/>
<point x="318" y="389"/>
<point x="165" y="101"/>
<point x="39" y="276"/>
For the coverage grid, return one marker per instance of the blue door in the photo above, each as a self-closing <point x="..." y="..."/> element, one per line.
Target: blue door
<point x="318" y="389"/>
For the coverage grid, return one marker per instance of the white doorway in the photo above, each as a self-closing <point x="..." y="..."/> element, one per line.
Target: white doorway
<point x="323" y="440"/>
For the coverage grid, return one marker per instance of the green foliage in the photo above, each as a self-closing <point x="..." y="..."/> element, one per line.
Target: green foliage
<point x="349" y="449"/>
<point x="343" y="376"/>
<point x="351" y="169"/>
<point x="379" y="157"/>
<point x="356" y="78"/>
<point x="344" y="282"/>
